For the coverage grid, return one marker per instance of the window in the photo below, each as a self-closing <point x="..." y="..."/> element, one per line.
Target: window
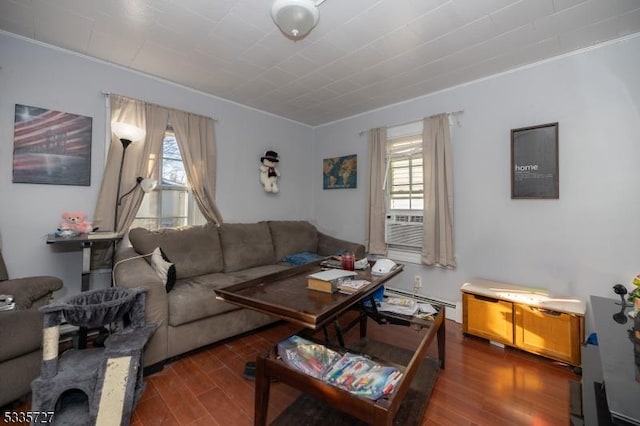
<point x="405" y="193"/>
<point x="406" y="177"/>
<point x="171" y="203"/>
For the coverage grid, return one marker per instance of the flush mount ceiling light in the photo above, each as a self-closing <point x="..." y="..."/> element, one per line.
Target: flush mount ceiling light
<point x="295" y="18"/>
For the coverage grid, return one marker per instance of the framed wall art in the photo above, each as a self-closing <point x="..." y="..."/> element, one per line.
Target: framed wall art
<point x="340" y="172"/>
<point x="534" y="162"/>
<point x="51" y="147"/>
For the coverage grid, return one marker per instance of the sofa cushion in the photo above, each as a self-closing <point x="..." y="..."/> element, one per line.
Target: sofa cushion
<point x="26" y="291"/>
<point x="194" y="298"/>
<point x="194" y="250"/>
<point x="293" y="236"/>
<point x="20" y="333"/>
<point x="245" y="245"/>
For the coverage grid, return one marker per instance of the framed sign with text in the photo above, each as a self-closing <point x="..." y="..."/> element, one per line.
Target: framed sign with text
<point x="534" y="162"/>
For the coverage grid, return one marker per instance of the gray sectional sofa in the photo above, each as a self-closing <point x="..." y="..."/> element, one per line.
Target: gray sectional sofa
<point x="209" y="257"/>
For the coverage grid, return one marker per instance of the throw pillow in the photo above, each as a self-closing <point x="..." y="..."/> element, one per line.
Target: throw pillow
<point x="303" y="258"/>
<point x="164" y="268"/>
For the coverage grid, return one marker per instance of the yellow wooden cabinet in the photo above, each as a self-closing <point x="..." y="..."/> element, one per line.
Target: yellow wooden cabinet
<point x="554" y="334"/>
<point x="487" y="317"/>
<point x="528" y="319"/>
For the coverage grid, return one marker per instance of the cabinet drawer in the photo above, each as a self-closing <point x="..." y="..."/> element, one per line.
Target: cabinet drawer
<point x="487" y="317"/>
<point x="549" y="333"/>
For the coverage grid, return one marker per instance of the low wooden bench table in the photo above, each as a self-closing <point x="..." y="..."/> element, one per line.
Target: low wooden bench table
<point x="285" y="295"/>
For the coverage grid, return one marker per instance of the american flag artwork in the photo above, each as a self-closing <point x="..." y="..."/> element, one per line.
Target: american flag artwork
<point x="51" y="147"/>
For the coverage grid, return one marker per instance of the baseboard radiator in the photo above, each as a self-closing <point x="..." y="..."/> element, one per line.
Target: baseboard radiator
<point x="453" y="310"/>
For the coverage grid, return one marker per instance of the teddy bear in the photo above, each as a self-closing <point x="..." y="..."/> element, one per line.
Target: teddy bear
<point x="268" y="172"/>
<point x="76" y="222"/>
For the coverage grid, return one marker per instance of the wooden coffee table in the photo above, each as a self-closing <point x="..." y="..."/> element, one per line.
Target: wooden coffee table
<point x="285" y="295"/>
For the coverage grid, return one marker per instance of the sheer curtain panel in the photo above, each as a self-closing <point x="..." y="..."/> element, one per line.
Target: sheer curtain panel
<point x="196" y="138"/>
<point x="377" y="206"/>
<point x="437" y="246"/>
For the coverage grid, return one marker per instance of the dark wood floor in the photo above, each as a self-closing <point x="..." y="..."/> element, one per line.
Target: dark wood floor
<point x="481" y="385"/>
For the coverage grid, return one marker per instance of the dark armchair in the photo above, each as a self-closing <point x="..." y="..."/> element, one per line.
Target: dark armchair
<point x="21" y="332"/>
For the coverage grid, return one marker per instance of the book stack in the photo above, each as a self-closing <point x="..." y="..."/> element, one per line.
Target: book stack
<point x="399" y="305"/>
<point x="328" y="281"/>
<point x="351" y="286"/>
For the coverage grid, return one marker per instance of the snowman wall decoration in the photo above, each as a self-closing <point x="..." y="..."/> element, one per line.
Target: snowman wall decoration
<point x="268" y="172"/>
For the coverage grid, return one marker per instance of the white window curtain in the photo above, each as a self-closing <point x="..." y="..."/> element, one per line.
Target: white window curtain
<point x="438" y="175"/>
<point x="377" y="206"/>
<point x="196" y="139"/>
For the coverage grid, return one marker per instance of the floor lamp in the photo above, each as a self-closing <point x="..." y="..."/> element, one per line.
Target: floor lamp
<point x="127" y="134"/>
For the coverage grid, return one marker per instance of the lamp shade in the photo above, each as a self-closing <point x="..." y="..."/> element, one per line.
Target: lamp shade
<point x="295" y="18"/>
<point x="127" y="131"/>
<point x="148" y="185"/>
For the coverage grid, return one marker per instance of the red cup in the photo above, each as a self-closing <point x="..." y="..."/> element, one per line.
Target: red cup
<point x="348" y="261"/>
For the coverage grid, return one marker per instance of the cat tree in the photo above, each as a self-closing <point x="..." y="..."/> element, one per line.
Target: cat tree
<point x="96" y="386"/>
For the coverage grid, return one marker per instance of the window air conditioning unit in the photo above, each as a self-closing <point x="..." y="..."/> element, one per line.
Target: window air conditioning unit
<point x="404" y="229"/>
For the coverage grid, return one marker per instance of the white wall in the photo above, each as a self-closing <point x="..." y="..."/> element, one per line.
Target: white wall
<point x="582" y="243"/>
<point x="32" y="74"/>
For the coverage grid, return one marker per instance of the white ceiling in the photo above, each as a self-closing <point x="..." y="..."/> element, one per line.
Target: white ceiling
<point x="363" y="54"/>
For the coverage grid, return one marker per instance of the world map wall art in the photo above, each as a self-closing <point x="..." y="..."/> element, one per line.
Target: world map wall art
<point x="340" y="172"/>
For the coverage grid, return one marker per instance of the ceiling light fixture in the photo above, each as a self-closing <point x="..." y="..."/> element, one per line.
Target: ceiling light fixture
<point x="295" y="18"/>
